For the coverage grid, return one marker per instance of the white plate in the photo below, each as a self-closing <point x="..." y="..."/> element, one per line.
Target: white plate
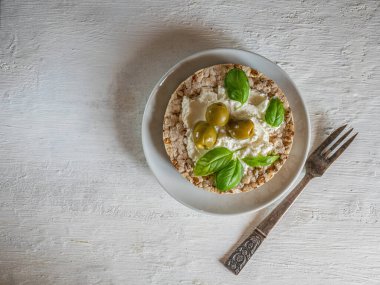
<point x="182" y="190"/>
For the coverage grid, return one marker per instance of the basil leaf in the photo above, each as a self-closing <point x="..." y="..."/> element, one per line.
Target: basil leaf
<point x="260" y="160"/>
<point x="275" y="113"/>
<point x="212" y="161"/>
<point x="237" y="85"/>
<point x="230" y="176"/>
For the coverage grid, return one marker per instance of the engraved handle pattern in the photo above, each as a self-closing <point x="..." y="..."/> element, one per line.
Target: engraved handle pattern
<point x="244" y="252"/>
<point x="239" y="258"/>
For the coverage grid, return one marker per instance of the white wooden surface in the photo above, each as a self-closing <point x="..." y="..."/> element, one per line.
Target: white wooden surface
<point x="78" y="204"/>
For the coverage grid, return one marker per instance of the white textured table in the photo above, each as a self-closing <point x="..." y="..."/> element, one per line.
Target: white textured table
<point x="78" y="204"/>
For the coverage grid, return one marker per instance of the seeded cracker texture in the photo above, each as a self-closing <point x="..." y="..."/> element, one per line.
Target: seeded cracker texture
<point x="174" y="131"/>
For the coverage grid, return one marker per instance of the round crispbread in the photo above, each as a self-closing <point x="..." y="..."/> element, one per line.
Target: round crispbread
<point x="175" y="133"/>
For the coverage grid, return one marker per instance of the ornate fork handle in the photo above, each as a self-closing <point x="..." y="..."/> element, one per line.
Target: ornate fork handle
<point x="239" y="258"/>
<point x="244" y="252"/>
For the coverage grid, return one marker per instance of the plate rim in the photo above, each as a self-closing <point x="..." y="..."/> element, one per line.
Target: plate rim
<point x="202" y="53"/>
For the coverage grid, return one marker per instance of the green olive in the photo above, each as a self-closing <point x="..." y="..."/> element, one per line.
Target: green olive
<point x="241" y="129"/>
<point x="204" y="135"/>
<point x="217" y="114"/>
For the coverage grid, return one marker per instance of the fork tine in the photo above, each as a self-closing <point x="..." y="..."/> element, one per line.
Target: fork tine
<point x="337" y="142"/>
<point x="341" y="149"/>
<point x="329" y="139"/>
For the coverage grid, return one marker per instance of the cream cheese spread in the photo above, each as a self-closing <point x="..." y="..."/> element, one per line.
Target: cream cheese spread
<point x="194" y="110"/>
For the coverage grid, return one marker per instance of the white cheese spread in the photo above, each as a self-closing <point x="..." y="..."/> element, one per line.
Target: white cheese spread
<point x="194" y="110"/>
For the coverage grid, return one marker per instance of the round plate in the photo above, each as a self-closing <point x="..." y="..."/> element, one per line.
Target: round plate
<point x="181" y="189"/>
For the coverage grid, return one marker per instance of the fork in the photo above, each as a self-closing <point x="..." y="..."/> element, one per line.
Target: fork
<point x="316" y="165"/>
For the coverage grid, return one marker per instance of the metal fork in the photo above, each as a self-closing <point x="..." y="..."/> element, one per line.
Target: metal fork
<point x="316" y="165"/>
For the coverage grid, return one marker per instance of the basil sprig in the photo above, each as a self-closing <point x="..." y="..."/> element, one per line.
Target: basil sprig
<point x="260" y="160"/>
<point x="237" y="85"/>
<point x="213" y="161"/>
<point x="230" y="176"/>
<point x="275" y="113"/>
<point x="228" y="170"/>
